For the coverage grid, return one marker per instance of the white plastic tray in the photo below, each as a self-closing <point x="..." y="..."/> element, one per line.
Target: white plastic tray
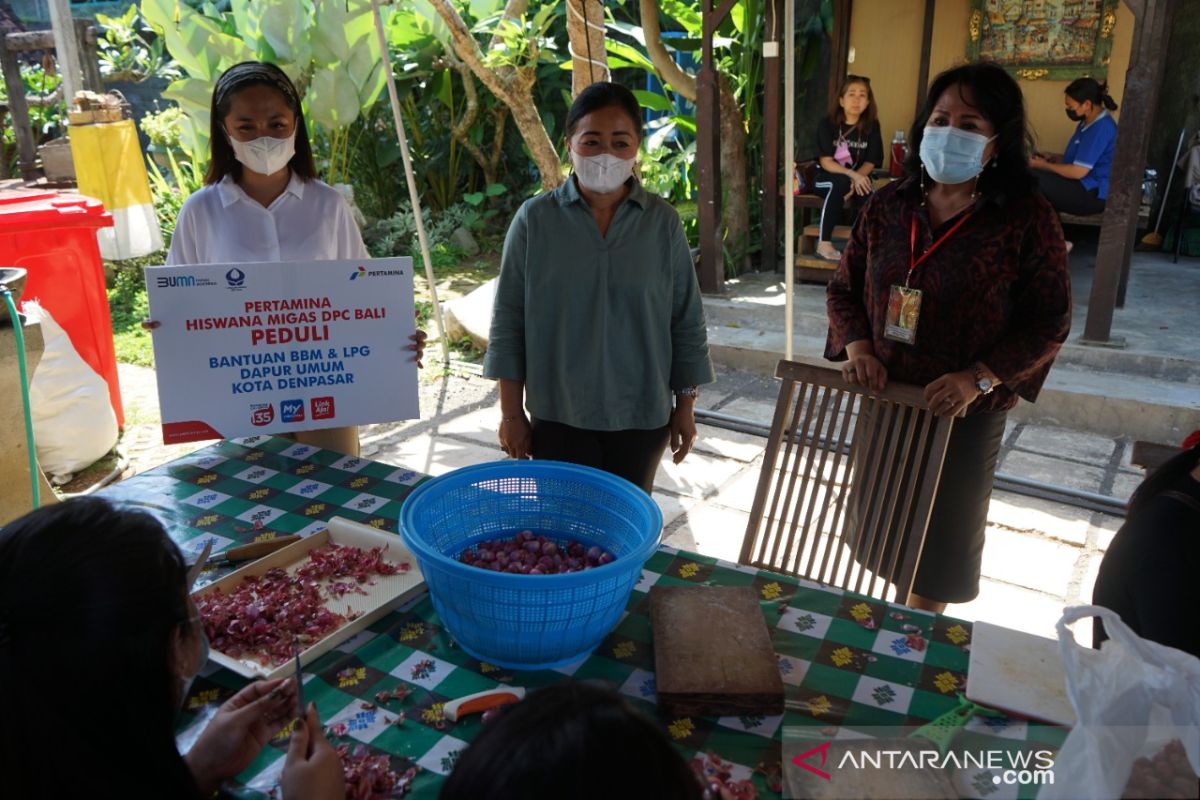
<point x="386" y="593"/>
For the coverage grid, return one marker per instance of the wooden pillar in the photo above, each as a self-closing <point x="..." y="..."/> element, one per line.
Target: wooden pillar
<point x="1119" y="225"/>
<point x="89" y="59"/>
<point x="926" y="49"/>
<point x="839" y="52"/>
<point x="771" y="167"/>
<point x="66" y="48"/>
<point x="18" y="108"/>
<point x="708" y="153"/>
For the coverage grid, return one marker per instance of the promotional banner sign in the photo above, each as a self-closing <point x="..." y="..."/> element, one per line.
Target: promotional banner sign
<point x="282" y="347"/>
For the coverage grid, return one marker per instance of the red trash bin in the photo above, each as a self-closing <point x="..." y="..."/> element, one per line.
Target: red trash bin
<point x="53" y="237"/>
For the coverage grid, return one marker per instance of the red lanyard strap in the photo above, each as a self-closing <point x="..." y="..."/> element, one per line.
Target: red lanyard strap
<point x="915" y="262"/>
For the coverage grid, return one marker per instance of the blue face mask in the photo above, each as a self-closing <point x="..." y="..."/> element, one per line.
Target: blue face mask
<point x="204" y="653"/>
<point x="951" y="155"/>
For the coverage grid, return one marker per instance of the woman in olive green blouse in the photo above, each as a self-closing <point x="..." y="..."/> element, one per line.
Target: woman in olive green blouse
<point x="597" y="327"/>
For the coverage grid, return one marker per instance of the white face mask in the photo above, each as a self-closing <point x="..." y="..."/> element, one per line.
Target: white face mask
<point x="951" y="155"/>
<point x="266" y="155"/>
<point x="602" y="174"/>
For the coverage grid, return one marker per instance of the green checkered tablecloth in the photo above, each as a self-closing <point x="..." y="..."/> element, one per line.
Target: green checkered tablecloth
<point x="846" y="660"/>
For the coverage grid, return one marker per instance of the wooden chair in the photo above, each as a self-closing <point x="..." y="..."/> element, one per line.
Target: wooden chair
<point x="846" y="470"/>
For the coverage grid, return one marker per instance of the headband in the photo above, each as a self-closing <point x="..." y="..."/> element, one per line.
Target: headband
<point x="241" y="75"/>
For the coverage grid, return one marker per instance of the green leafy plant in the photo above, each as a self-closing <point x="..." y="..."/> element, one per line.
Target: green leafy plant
<point x="397" y="235"/>
<point x="129" y="50"/>
<point x="491" y="190"/>
<point x="47" y="114"/>
<point x="128" y="306"/>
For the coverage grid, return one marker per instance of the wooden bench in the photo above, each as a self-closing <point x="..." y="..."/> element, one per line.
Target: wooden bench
<point x="1150" y="456"/>
<point x="809" y="265"/>
<point x="1095" y="220"/>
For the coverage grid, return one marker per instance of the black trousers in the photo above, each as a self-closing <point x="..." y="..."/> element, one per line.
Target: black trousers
<point x="629" y="454"/>
<point x="1068" y="195"/>
<point x="833" y="185"/>
<point x="952" y="557"/>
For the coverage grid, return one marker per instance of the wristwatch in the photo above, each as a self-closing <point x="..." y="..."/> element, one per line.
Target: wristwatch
<point x="982" y="382"/>
<point x="688" y="391"/>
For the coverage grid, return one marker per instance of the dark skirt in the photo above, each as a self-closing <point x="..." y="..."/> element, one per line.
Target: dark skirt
<point x="951" y="558"/>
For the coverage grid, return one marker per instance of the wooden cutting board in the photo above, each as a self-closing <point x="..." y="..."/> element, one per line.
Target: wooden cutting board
<point x="713" y="653"/>
<point x="1019" y="672"/>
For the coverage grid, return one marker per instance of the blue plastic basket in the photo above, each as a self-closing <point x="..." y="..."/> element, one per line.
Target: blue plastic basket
<point x="529" y="621"/>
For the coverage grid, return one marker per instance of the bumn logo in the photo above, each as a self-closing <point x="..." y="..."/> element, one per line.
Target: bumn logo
<point x="291" y="410"/>
<point x="235" y="278"/>
<point x="164" y="282"/>
<point x="262" y="414"/>
<point x="322" y="408"/>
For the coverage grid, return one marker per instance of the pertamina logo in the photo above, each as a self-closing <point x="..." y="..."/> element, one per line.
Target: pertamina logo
<point x="361" y="272"/>
<point x="322" y="408"/>
<point x="291" y="410"/>
<point x="262" y="414"/>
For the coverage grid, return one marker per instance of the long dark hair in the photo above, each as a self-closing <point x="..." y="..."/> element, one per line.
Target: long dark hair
<point x="233" y="80"/>
<point x="571" y="740"/>
<point x="837" y="114"/>
<point x="1088" y="90"/>
<point x="603" y="95"/>
<point x="998" y="98"/>
<point x="1163" y="478"/>
<point x="91" y="600"/>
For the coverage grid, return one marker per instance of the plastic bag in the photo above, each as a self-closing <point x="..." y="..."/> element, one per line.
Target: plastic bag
<point x="1131" y="701"/>
<point x="73" y="420"/>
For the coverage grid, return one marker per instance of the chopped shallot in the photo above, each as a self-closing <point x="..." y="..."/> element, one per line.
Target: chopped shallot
<point x="260" y="618"/>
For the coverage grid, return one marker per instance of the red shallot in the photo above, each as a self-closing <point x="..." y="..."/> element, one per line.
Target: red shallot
<point x="529" y="554"/>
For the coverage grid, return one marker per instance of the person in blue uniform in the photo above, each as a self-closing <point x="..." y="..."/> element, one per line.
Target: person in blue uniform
<point x="1077" y="183"/>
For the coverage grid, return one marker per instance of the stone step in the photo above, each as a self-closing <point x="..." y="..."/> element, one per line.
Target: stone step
<point x="1158" y="409"/>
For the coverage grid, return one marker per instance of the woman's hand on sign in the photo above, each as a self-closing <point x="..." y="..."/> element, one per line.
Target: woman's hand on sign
<point x="516" y="436"/>
<point x="150" y="324"/>
<point x="418" y="346"/>
<point x="951" y="393"/>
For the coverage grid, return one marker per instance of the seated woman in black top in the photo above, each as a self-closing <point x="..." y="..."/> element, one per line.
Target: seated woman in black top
<point x="850" y="147"/>
<point x="1149" y="573"/>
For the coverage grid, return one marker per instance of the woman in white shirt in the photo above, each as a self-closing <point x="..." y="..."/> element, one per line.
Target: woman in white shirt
<point x="262" y="200"/>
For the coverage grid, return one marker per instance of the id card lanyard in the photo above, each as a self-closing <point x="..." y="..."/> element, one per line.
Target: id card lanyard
<point x="904" y="302"/>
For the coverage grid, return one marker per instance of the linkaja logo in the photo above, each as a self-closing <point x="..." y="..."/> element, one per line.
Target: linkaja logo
<point x="291" y="410"/>
<point x="802" y="760"/>
<point x="361" y="272"/>
<point x="322" y="408"/>
<point x="262" y="414"/>
<point x="235" y="278"/>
